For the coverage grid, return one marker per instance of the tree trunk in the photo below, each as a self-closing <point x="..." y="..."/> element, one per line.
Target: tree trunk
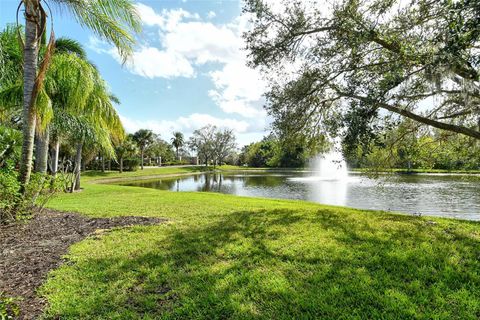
<point x="30" y="56"/>
<point x="103" y="163"/>
<point x="78" y="166"/>
<point x="177" y="153"/>
<point x="109" y="164"/>
<point x="141" y="159"/>
<point x="120" y="165"/>
<point x="41" y="151"/>
<point x="55" y="153"/>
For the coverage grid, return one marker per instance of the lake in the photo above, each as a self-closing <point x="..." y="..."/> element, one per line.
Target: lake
<point x="455" y="196"/>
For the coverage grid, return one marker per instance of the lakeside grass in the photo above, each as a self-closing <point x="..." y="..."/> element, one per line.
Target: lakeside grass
<point x="155" y="172"/>
<point x="413" y="171"/>
<point x="223" y="256"/>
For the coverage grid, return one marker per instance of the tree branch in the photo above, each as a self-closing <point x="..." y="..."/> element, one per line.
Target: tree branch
<point x="408" y="114"/>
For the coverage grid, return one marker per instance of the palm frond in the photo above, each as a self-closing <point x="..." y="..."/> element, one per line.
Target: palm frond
<point x="11" y="96"/>
<point x="67" y="45"/>
<point x="44" y="110"/>
<point x="112" y="20"/>
<point x="114" y="98"/>
<point x="69" y="82"/>
<point x="11" y="57"/>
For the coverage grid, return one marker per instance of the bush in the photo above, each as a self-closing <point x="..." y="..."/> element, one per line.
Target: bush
<point x="10" y="146"/>
<point x="9" y="308"/>
<point x="131" y="164"/>
<point x="9" y="194"/>
<point x="14" y="205"/>
<point x="175" y="163"/>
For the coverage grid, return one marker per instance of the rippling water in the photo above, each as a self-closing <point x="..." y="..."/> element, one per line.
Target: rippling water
<point x="453" y="196"/>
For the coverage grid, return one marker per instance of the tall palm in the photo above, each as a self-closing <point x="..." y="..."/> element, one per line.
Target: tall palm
<point x="177" y="141"/>
<point x="125" y="149"/>
<point x="10" y="74"/>
<point x="103" y="122"/>
<point x="143" y="138"/>
<point x="67" y="84"/>
<point x="113" y="20"/>
<point x="74" y="103"/>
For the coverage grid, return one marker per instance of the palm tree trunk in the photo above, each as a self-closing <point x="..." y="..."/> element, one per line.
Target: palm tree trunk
<point x="41" y="151"/>
<point x="177" y="152"/>
<point x="55" y="153"/>
<point x="30" y="57"/>
<point x="78" y="166"/>
<point x="141" y="160"/>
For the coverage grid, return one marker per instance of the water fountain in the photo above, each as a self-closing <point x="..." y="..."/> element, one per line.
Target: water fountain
<point x="330" y="166"/>
<point x="328" y="180"/>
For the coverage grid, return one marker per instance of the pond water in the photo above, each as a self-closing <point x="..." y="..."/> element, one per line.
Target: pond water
<point x="452" y="196"/>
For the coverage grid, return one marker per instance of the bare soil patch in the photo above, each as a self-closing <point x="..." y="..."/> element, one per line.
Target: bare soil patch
<point x="28" y="251"/>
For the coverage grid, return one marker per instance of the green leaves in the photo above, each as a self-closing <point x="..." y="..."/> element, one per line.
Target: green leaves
<point x="332" y="66"/>
<point x="112" y="20"/>
<point x="82" y="101"/>
<point x="67" y="45"/>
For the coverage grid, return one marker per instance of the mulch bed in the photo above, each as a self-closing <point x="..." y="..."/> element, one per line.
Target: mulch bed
<point x="28" y="251"/>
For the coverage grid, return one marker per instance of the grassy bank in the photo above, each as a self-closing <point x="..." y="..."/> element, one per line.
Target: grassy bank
<point x="154" y="172"/>
<point x="223" y="256"/>
<point x="413" y="171"/>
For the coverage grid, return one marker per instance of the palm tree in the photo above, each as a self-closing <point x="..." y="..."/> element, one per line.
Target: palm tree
<point x="10" y="75"/>
<point x="67" y="84"/>
<point x="143" y="138"/>
<point x="102" y="122"/>
<point x="113" y="20"/>
<point x="73" y="104"/>
<point x="177" y="141"/>
<point x="127" y="148"/>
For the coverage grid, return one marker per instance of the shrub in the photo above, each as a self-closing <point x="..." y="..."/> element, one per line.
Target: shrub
<point x="10" y="146"/>
<point x="16" y="206"/>
<point x="175" y="163"/>
<point x="9" y="194"/>
<point x="9" y="308"/>
<point x="131" y="164"/>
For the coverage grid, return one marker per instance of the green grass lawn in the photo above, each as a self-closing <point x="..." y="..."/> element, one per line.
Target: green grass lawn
<point x="396" y="170"/>
<point x="223" y="256"/>
<point x="152" y="172"/>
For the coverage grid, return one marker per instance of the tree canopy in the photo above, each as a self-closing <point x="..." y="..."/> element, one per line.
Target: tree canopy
<point x="212" y="144"/>
<point x="333" y="66"/>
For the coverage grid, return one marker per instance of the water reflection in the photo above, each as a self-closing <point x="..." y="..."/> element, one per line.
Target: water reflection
<point x="329" y="192"/>
<point x="439" y="195"/>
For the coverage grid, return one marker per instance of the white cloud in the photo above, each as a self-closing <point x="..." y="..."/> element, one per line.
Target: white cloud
<point x="245" y="132"/>
<point x="186" y="43"/>
<point x="211" y="14"/>
<point x="186" y="124"/>
<point x="238" y="89"/>
<point x="203" y="42"/>
<point x="151" y="62"/>
<point x="168" y="19"/>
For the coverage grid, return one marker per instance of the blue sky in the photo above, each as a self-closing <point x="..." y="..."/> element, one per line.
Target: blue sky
<point x="188" y="69"/>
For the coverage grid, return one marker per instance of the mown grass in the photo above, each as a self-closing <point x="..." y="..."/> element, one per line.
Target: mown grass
<point x="413" y="171"/>
<point x="228" y="257"/>
<point x="148" y="171"/>
<point x="154" y="172"/>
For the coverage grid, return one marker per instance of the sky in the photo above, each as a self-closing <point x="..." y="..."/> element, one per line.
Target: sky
<point x="187" y="71"/>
